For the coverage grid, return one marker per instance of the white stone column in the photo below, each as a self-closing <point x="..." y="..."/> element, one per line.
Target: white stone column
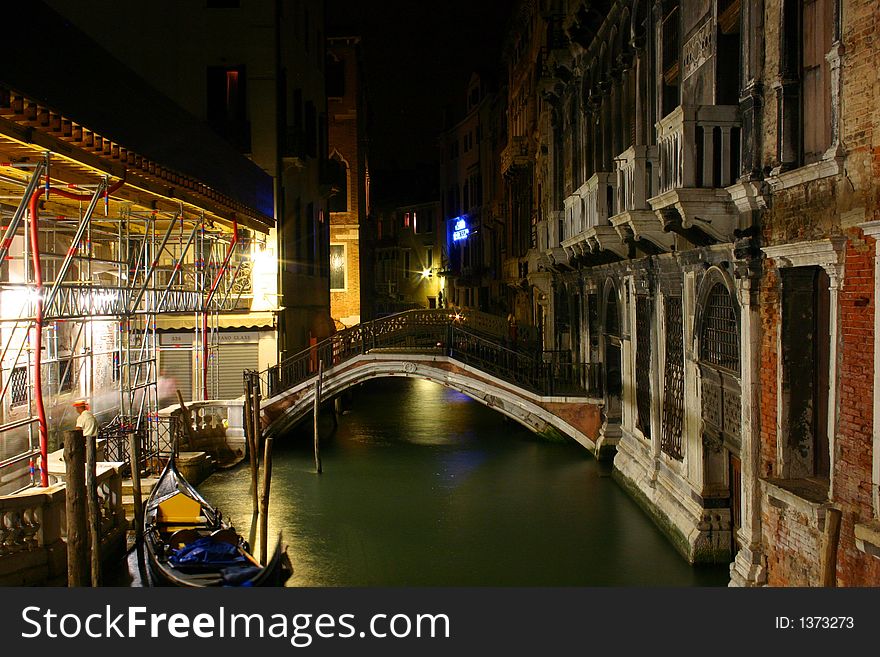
<point x="748" y="567"/>
<point x="835" y="277"/>
<point x="692" y="424"/>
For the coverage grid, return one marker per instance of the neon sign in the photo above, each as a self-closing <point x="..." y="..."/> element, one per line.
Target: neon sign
<point x="460" y="230"/>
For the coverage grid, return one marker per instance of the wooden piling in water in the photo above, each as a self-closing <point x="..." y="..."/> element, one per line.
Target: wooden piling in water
<point x="76" y="509"/>
<point x="94" y="508"/>
<point x="253" y="422"/>
<point x="317" y="412"/>
<point x="264" y="510"/>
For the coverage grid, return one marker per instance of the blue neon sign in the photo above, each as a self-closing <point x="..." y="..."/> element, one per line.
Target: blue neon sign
<point x="460" y="230"/>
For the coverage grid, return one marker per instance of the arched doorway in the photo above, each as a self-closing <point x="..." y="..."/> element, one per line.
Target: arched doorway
<point x="717" y="324"/>
<point x="611" y="360"/>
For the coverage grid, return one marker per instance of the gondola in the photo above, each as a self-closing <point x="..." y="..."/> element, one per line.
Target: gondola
<point x="188" y="543"/>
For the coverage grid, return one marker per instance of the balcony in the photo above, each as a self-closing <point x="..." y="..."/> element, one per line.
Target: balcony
<point x="698" y="152"/>
<point x="515" y="155"/>
<point x="591" y="238"/>
<point x="636" y="174"/>
<point x="550" y="239"/>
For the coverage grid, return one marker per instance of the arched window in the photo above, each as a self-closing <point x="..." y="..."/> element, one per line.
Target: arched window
<point x="339" y="200"/>
<point x="612" y="317"/>
<point x="719" y="335"/>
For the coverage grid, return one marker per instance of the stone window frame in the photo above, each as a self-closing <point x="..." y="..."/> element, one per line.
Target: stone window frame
<point x="340" y="158"/>
<point x="829" y="254"/>
<point x="612" y="288"/>
<point x="344" y="265"/>
<point x="716" y="275"/>
<point x="831" y="163"/>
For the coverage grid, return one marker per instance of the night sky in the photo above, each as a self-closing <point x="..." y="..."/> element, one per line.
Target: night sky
<point x="418" y="58"/>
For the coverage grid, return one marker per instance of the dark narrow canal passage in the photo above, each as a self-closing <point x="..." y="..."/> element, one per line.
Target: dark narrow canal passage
<point x="424" y="487"/>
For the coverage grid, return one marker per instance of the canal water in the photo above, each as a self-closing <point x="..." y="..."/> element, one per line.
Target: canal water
<point x="424" y="487"/>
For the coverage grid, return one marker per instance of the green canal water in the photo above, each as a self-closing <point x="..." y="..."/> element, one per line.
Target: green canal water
<point x="424" y="487"/>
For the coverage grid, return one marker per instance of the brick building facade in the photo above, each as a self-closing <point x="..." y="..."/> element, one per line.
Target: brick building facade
<point x="819" y="487"/>
<point x="349" y="206"/>
<point x="698" y="230"/>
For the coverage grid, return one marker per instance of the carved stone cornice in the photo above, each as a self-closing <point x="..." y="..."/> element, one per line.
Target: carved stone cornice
<point x="828" y="253"/>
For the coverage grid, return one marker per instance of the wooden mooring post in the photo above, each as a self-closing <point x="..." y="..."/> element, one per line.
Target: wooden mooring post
<point x="254" y="430"/>
<point x="317" y="412"/>
<point x="76" y="509"/>
<point x="94" y="508"/>
<point x="264" y="510"/>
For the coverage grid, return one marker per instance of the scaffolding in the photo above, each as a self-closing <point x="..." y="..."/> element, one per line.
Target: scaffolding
<point x="88" y="265"/>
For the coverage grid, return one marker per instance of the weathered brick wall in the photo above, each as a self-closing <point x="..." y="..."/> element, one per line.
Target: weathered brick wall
<point x="792" y="544"/>
<point x="861" y="105"/>
<point x="853" y="444"/>
<point x="769" y="364"/>
<point x="859" y="200"/>
<point x="813" y="210"/>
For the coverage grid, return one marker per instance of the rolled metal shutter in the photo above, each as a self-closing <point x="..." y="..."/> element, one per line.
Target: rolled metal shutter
<point x="177" y="364"/>
<point x="234" y="360"/>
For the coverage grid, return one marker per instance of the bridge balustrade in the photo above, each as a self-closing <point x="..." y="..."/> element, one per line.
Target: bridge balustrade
<point x="438" y="332"/>
<point x="32" y="529"/>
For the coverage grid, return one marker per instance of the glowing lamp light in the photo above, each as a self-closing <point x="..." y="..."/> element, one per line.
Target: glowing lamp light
<point x="460" y="230"/>
<point x="426" y="273"/>
<point x="264" y="270"/>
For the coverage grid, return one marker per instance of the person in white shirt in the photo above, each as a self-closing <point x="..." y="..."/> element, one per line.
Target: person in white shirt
<point x="86" y="420"/>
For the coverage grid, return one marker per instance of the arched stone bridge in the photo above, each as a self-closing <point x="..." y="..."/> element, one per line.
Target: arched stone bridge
<point x="541" y="390"/>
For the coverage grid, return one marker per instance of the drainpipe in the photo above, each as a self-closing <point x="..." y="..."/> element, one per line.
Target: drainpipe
<point x="214" y="285"/>
<point x="38" y="321"/>
<point x="38" y="337"/>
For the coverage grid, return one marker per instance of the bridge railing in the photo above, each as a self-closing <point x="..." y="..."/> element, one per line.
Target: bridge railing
<point x="430" y="331"/>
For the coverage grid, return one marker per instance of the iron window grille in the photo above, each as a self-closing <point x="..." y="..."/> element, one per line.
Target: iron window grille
<point x="643" y="364"/>
<point x="18" y="386"/>
<point x="719" y="339"/>
<point x="673" y="396"/>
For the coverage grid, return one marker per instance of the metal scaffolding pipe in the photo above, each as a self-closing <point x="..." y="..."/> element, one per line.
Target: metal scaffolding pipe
<point x="12" y="228"/>
<point x="179" y="264"/>
<point x="210" y="297"/>
<point x="38" y="322"/>
<point x="80" y="231"/>
<point x="153" y="265"/>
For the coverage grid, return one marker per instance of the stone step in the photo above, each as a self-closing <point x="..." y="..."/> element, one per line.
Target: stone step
<point x="128" y="500"/>
<point x="147" y="484"/>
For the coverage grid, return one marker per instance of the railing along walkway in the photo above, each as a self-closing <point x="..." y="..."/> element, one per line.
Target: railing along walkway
<point x="437" y="332"/>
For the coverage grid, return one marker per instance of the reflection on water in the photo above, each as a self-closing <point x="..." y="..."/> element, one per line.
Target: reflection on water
<point x="424" y="487"/>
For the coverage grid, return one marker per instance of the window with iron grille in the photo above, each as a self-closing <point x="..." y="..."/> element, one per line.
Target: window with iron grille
<point x="65" y="374"/>
<point x="719" y="339"/>
<point x="643" y="364"/>
<point x="18" y="386"/>
<point x="673" y="380"/>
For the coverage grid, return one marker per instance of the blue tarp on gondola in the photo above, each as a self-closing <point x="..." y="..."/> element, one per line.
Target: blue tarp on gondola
<point x="207" y="551"/>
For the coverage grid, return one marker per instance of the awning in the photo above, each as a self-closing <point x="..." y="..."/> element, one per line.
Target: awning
<point x="256" y="320"/>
